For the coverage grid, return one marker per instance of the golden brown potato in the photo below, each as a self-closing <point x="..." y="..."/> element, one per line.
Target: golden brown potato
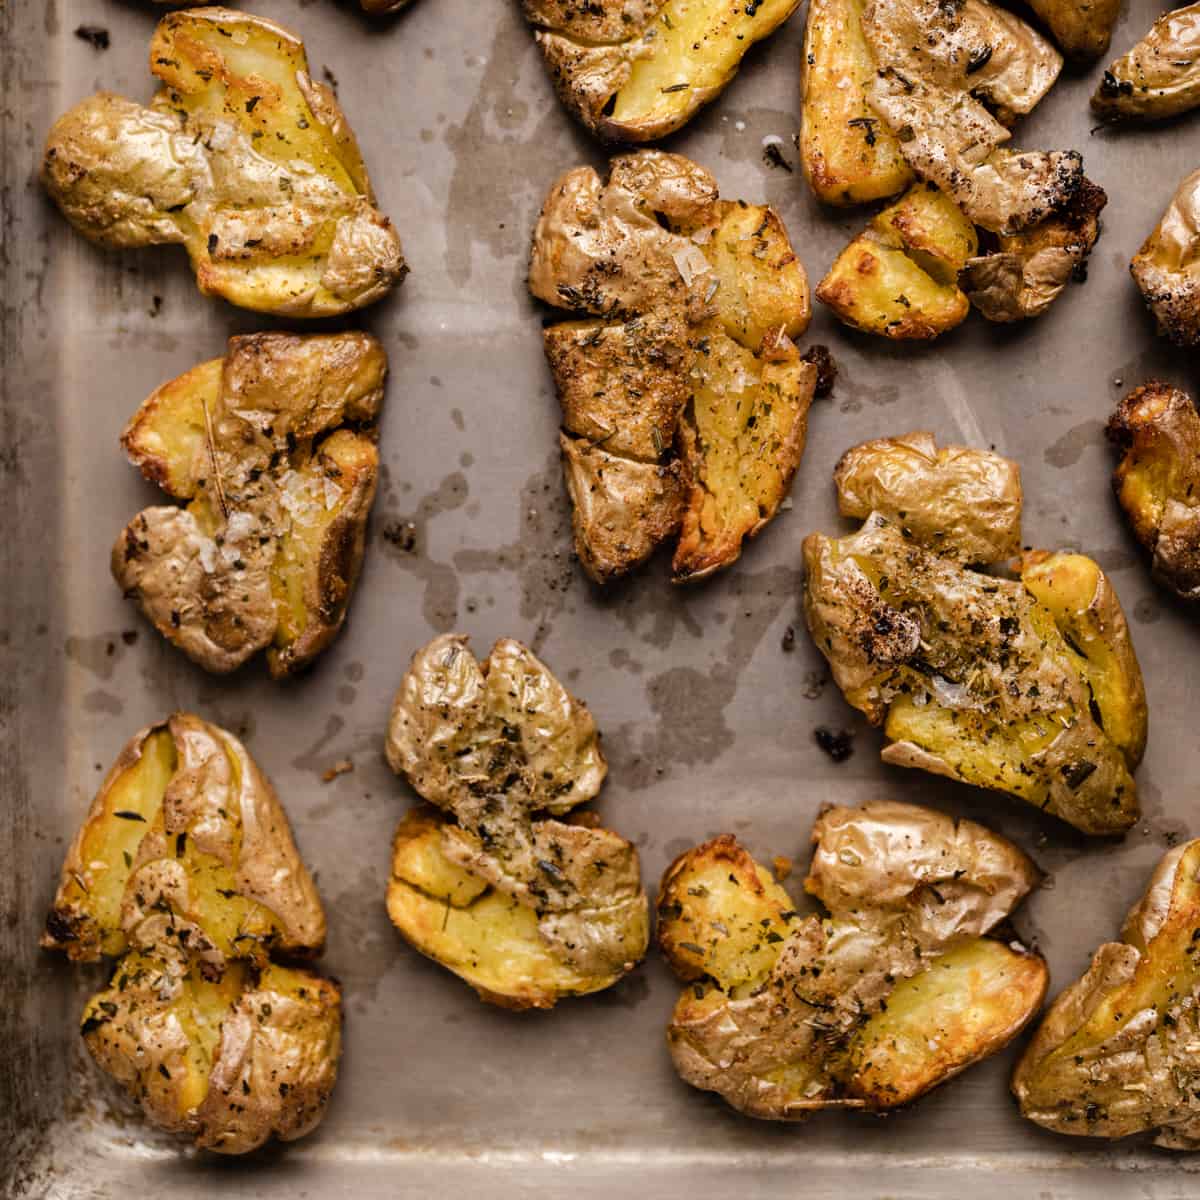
<point x="1160" y="76"/>
<point x="1081" y="28"/>
<point x="1029" y="687"/>
<point x="524" y="906"/>
<point x="939" y="67"/>
<point x="1167" y="267"/>
<point x="186" y="871"/>
<point x="964" y="503"/>
<point x="685" y="401"/>
<point x="1028" y="271"/>
<point x="892" y="993"/>
<point x="242" y="159"/>
<point x="1157" y="481"/>
<point x="899" y="277"/>
<point x="848" y="155"/>
<point x="1116" y="1053"/>
<point x="637" y="70"/>
<point x="272" y="449"/>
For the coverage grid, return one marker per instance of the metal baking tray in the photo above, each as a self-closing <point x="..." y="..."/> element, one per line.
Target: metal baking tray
<point x="708" y="718"/>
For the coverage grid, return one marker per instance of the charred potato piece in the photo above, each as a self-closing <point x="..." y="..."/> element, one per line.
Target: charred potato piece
<point x="964" y="503"/>
<point x="1116" y="1054"/>
<point x="277" y="486"/>
<point x="1082" y="29"/>
<point x="940" y="66"/>
<point x="185" y="870"/>
<point x="685" y="401"/>
<point x="847" y="154"/>
<point x="1030" y="687"/>
<point x="1167" y="267"/>
<point x="1028" y="271"/>
<point x="242" y="159"/>
<point x="524" y="906"/>
<point x="1160" y="76"/>
<point x="898" y="278"/>
<point x="892" y="993"/>
<point x="1157" y="481"/>
<point x="637" y="70"/>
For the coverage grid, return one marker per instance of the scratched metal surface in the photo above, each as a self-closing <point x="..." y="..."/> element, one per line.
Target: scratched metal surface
<point x="708" y="722"/>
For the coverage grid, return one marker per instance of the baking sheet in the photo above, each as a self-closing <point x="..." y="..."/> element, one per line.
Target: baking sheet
<point x="708" y="720"/>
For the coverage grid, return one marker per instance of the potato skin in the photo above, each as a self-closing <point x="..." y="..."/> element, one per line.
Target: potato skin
<point x="1159" y="77"/>
<point x="1114" y="1054"/>
<point x="185" y="870"/>
<point x="268" y="549"/>
<point x="787" y="1014"/>
<point x="1157" y="481"/>
<point x="685" y="401"/>
<point x="498" y="886"/>
<point x="1167" y="267"/>
<point x="260" y="234"/>
<point x="1082" y="29"/>
<point x="638" y="70"/>
<point x="964" y="503"/>
<point x="969" y="675"/>
<point x="1028" y="271"/>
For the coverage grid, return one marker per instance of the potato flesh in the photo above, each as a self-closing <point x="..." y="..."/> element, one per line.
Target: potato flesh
<point x="967" y="1004"/>
<point x="696" y="48"/>
<point x="848" y="155"/>
<point x="898" y="279"/>
<point x="110" y="844"/>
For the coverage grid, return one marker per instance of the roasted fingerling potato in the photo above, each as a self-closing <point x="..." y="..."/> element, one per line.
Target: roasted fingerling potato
<point x="1159" y="77"/>
<point x="1029" y="687"/>
<point x="185" y="871"/>
<point x="1026" y="272"/>
<point x="637" y="70"/>
<point x="685" y="400"/>
<point x="496" y="880"/>
<point x="1157" y="481"/>
<point x="271" y="453"/>
<point x="895" y="991"/>
<point x="847" y="153"/>
<point x="243" y="159"/>
<point x="1116" y="1054"/>
<point x="1167" y="267"/>
<point x="899" y="277"/>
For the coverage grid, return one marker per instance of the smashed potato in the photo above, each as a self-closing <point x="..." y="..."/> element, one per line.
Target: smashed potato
<point x="1157" y="481"/>
<point x="939" y="68"/>
<point x="1167" y="267"/>
<point x="637" y="70"/>
<point x="899" y="277"/>
<point x="186" y="872"/>
<point x="1116" y="1053"/>
<point x="894" y="992"/>
<point x="685" y="401"/>
<point x="1160" y="76"/>
<point x="848" y="155"/>
<point x="1029" y="687"/>
<point x="964" y="503"/>
<point x="1082" y="29"/>
<point x="242" y="159"/>
<point x="272" y="451"/>
<point x="1028" y="271"/>
<point x="492" y="882"/>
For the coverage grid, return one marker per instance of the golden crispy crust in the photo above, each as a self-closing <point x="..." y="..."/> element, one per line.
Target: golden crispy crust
<point x="523" y="905"/>
<point x="267" y="551"/>
<point x="261" y="234"/>
<point x="1157" y="480"/>
<point x="1115" y="1054"/>
<point x="1167" y="267"/>
<point x="684" y="399"/>
<point x="789" y="1014"/>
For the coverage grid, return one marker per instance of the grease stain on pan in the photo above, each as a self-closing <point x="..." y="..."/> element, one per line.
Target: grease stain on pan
<point x="99" y="653"/>
<point x="1068" y="449"/>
